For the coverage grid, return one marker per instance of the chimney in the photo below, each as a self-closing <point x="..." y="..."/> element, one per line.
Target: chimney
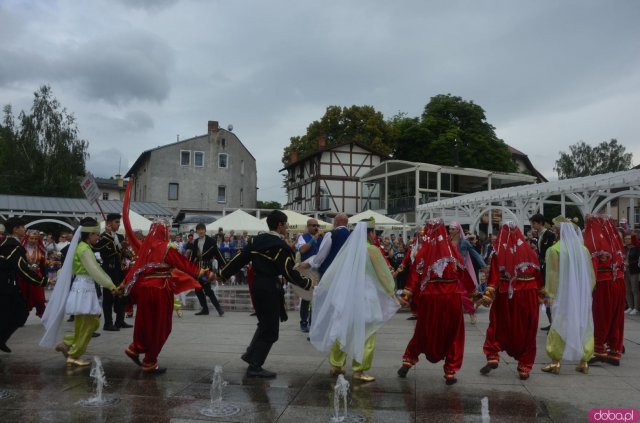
<point x="119" y="181"/>
<point x="294" y="156"/>
<point x="322" y="142"/>
<point x="213" y="126"/>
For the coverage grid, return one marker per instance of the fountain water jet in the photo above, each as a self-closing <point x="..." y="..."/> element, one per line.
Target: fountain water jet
<point x="97" y="373"/>
<point x="217" y="407"/>
<point x="340" y="395"/>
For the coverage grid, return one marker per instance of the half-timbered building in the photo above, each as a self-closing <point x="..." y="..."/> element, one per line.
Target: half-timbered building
<point x="328" y="179"/>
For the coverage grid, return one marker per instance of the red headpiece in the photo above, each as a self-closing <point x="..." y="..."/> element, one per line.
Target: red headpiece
<point x="603" y="242"/>
<point x="150" y="254"/>
<point x="442" y="259"/>
<point x="513" y="254"/>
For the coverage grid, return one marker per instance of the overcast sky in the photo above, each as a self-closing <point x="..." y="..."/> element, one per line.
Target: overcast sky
<point x="137" y="73"/>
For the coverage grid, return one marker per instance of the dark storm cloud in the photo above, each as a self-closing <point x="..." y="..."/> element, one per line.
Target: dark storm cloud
<point x="136" y="73"/>
<point x="121" y="69"/>
<point x="129" y="124"/>
<point x="118" y="69"/>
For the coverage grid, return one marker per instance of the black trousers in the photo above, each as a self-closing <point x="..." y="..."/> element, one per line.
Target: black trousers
<point x="13" y="314"/>
<point x="267" y="305"/>
<point x="207" y="292"/>
<point x="110" y="304"/>
<point x="305" y="312"/>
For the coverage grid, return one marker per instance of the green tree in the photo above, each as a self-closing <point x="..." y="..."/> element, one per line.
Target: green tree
<point x="269" y="205"/>
<point x="340" y="125"/>
<point x="41" y="152"/>
<point x="452" y="132"/>
<point x="408" y="136"/>
<point x="584" y="160"/>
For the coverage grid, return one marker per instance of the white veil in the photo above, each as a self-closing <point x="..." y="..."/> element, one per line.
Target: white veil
<point x="571" y="310"/>
<point x="55" y="310"/>
<point x="349" y="304"/>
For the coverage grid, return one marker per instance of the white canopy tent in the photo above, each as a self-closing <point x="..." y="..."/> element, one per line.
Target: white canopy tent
<point x="298" y="221"/>
<point x="138" y="223"/>
<point x="382" y="221"/>
<point x="239" y="221"/>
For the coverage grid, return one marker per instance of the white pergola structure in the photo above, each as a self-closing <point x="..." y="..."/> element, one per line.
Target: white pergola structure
<point x="590" y="194"/>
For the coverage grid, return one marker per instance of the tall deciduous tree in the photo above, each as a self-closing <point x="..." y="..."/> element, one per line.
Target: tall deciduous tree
<point x="339" y="125"/>
<point x="41" y="152"/>
<point x="452" y="132"/>
<point x="584" y="160"/>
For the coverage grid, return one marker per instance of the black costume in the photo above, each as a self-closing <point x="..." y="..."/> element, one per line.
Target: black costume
<point x="111" y="255"/>
<point x="13" y="311"/>
<point x="547" y="239"/>
<point x="270" y="257"/>
<point x="204" y="259"/>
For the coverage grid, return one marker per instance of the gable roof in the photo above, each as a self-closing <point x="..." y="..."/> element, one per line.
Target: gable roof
<point x="517" y="153"/>
<point x="328" y="148"/>
<point x="145" y="154"/>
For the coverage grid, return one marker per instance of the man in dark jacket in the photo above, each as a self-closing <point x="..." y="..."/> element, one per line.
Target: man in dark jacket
<point x="110" y="248"/>
<point x="546" y="239"/>
<point x="270" y="256"/>
<point x="13" y="261"/>
<point x="204" y="251"/>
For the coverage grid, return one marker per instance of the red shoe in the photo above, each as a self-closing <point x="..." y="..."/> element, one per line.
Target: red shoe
<point x="133" y="356"/>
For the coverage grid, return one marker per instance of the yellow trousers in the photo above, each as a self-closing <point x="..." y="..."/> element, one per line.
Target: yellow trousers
<point x="338" y="358"/>
<point x="84" y="327"/>
<point x="555" y="346"/>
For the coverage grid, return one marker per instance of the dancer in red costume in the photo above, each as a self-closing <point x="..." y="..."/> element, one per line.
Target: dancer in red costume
<point x="603" y="241"/>
<point x="37" y="258"/>
<point x="439" y="331"/>
<point x="515" y="287"/>
<point x="158" y="273"/>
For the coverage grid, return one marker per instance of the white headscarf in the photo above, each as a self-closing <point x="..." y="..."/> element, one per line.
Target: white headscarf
<point x="54" y="313"/>
<point x="571" y="311"/>
<point x="349" y="304"/>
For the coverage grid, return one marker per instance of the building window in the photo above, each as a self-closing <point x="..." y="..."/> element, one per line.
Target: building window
<point x="324" y="199"/>
<point x="185" y="158"/>
<point x="222" y="194"/>
<point x="198" y="158"/>
<point x="223" y="160"/>
<point x="241" y="167"/>
<point x="241" y="197"/>
<point x="173" y="191"/>
<point x="105" y="195"/>
<point x="223" y="143"/>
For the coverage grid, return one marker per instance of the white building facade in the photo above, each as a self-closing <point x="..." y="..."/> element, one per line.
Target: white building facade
<point x="328" y="180"/>
<point x="203" y="174"/>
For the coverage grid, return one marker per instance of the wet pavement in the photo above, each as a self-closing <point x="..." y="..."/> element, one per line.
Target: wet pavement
<point x="41" y="389"/>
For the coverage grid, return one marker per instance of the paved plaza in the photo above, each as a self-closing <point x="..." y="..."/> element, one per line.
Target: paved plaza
<point x="40" y="388"/>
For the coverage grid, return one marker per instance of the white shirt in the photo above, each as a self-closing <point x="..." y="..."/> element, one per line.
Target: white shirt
<point x="323" y="251"/>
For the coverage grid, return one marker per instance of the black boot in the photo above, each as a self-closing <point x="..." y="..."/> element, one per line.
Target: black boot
<point x="203" y="312"/>
<point x="259" y="372"/>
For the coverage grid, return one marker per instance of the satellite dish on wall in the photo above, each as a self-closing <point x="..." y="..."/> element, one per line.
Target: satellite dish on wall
<point x="230" y="127"/>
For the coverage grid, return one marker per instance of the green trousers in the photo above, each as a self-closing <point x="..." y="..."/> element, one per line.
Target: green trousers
<point x="338" y="358"/>
<point x="555" y="346"/>
<point x="85" y="325"/>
